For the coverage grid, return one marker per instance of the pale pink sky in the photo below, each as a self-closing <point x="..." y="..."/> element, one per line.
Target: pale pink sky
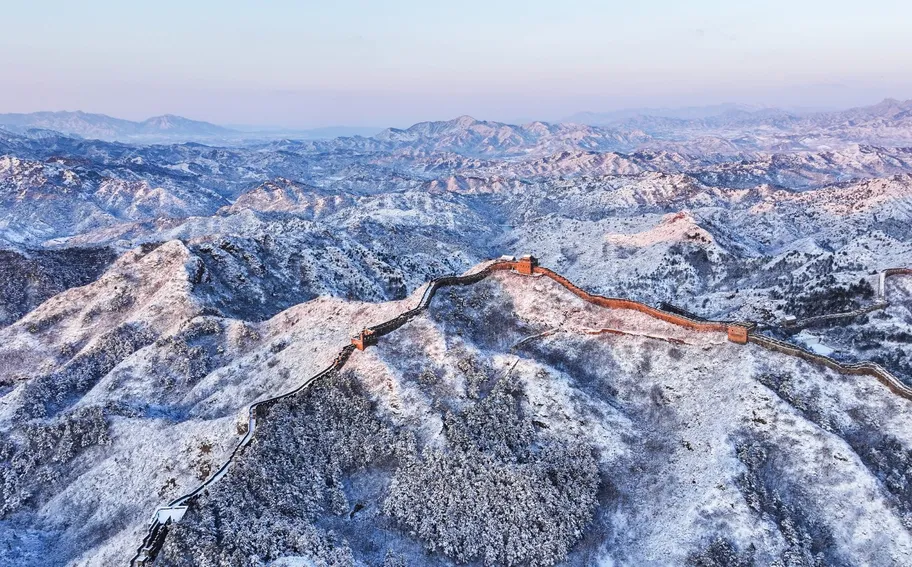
<point x="310" y="64"/>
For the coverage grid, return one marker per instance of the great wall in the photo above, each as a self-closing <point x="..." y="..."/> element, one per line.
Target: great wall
<point x="737" y="332"/>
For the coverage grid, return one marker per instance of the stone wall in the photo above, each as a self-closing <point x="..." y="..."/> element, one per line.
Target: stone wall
<point x="528" y="265"/>
<point x="736" y="332"/>
<point x="855" y="369"/>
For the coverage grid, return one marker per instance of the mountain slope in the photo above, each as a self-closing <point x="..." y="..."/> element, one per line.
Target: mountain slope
<point x="43" y="199"/>
<point x="507" y="388"/>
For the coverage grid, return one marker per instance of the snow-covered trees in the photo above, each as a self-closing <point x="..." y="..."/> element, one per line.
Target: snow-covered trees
<point x="292" y="475"/>
<point x="500" y="493"/>
<point x="37" y="461"/>
<point x="830" y="298"/>
<point x="28" y="279"/>
<point x="53" y="392"/>
<point x="809" y="541"/>
<point x="472" y="506"/>
<point x="720" y="553"/>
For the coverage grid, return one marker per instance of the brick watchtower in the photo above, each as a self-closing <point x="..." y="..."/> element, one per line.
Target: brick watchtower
<point x="364" y="339"/>
<point x="737" y="334"/>
<point x="526" y="265"/>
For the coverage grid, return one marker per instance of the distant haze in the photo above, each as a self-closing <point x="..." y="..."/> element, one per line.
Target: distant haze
<point x="358" y="63"/>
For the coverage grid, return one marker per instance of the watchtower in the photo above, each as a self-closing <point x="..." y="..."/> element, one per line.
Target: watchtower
<point x="737" y="334"/>
<point x="526" y="264"/>
<point x="364" y="339"/>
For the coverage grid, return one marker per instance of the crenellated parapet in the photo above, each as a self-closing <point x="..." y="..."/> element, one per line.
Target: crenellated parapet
<point x="735" y="331"/>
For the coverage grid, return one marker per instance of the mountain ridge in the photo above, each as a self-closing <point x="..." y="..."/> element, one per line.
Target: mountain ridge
<point x="888" y="123"/>
<point x="104" y="127"/>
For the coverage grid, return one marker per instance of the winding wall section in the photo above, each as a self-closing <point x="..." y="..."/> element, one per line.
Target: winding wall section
<point x="174" y="510"/>
<point x="865" y="368"/>
<point x="737" y="332"/>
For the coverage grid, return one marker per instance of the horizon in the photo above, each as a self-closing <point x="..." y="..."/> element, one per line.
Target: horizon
<point x="643" y="111"/>
<point x="309" y="66"/>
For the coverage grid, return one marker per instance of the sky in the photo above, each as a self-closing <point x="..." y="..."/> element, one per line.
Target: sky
<point x="304" y="64"/>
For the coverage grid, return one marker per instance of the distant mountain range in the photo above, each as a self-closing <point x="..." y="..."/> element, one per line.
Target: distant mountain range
<point x="685" y="113"/>
<point x="740" y="113"/>
<point x="103" y="127"/>
<point x="662" y="121"/>
<point x="726" y="128"/>
<point x="467" y="135"/>
<point x="158" y="129"/>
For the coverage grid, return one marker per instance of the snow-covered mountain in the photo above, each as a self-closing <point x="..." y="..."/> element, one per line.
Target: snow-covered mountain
<point x="722" y="129"/>
<point x="686" y="113"/>
<point x="887" y="123"/>
<point x="468" y="136"/>
<point x="150" y="293"/>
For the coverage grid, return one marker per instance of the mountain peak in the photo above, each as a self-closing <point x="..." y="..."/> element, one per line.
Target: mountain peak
<point x="178" y="124"/>
<point x="464" y="121"/>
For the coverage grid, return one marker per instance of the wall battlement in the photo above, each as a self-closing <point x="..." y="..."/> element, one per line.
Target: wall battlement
<point x="736" y="332"/>
<point x="881" y="291"/>
<point x="855" y="369"/>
